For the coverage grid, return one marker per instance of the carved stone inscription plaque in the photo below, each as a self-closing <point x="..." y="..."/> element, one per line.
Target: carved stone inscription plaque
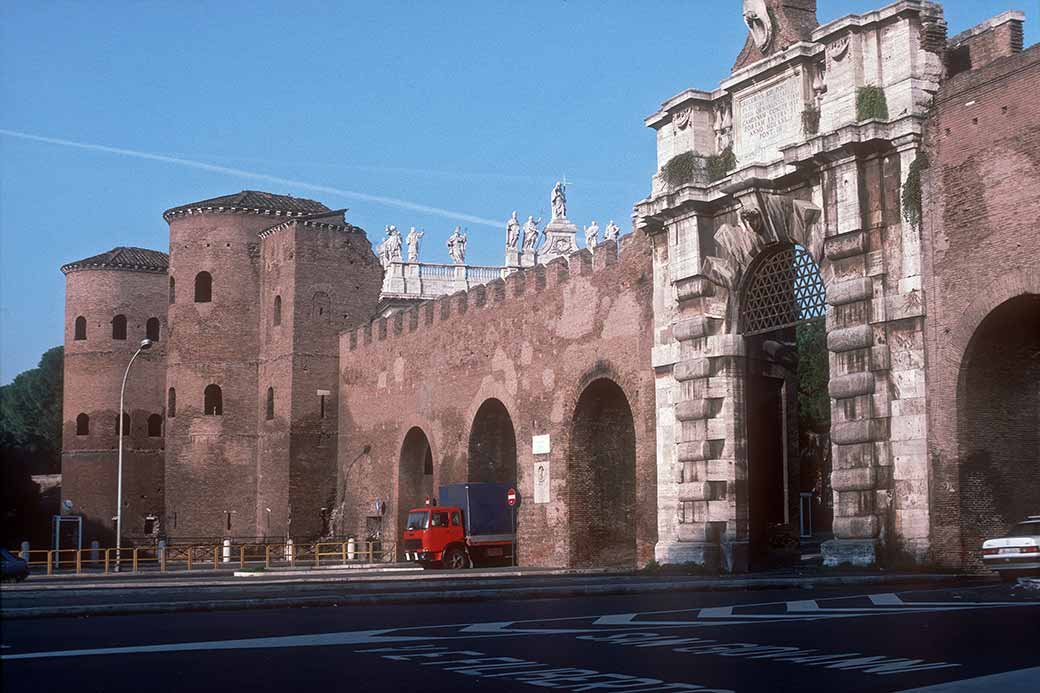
<point x="767" y="118"/>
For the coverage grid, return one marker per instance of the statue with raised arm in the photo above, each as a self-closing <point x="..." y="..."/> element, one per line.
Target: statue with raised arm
<point x="457" y="246"/>
<point x="612" y="233"/>
<point x="531" y="233"/>
<point x="558" y="200"/>
<point x="413" y="244"/>
<point x="591" y="235"/>
<point x="512" y="232"/>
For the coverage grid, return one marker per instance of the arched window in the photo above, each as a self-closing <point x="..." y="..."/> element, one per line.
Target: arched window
<point x="119" y="327"/>
<point x="154" y="426"/>
<point x="151" y="329"/>
<point x="126" y="424"/>
<point x="173" y="291"/>
<point x="213" y="404"/>
<point x="270" y="403"/>
<point x="82" y="425"/>
<point x="203" y="287"/>
<point x="171" y="403"/>
<point x="81" y="328"/>
<point x="277" y="310"/>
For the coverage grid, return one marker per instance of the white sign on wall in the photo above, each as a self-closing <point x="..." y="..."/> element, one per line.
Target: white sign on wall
<point x="541" y="482"/>
<point x="540" y="444"/>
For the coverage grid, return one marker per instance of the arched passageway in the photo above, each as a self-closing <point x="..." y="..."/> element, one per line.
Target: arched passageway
<point x="998" y="403"/>
<point x="414" y="475"/>
<point x="601" y="470"/>
<point x="786" y="407"/>
<point x="492" y="445"/>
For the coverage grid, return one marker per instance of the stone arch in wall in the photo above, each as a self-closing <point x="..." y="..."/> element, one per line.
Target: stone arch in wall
<point x="785" y="407"/>
<point x="491" y="454"/>
<point x="601" y="477"/>
<point x="998" y="423"/>
<point x="414" y="474"/>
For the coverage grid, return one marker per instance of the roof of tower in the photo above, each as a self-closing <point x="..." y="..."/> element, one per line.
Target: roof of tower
<point x="123" y="258"/>
<point x="253" y="201"/>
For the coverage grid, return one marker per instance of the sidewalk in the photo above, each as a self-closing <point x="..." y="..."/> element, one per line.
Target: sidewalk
<point x="350" y="586"/>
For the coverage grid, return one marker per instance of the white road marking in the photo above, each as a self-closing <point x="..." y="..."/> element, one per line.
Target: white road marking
<point x="886" y="600"/>
<point x="1021" y="680"/>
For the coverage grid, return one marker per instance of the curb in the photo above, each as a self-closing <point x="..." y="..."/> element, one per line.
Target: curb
<point x="479" y="594"/>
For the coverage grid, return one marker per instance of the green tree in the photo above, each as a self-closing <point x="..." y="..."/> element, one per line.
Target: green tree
<point x="30" y="412"/>
<point x="814" y="405"/>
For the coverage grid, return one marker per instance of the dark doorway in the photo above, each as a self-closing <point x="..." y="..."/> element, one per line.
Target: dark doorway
<point x="414" y="475"/>
<point x="787" y="409"/>
<point x="998" y="403"/>
<point x="601" y="478"/>
<point x="492" y="445"/>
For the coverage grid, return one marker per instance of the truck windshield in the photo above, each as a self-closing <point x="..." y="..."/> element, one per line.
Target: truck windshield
<point x="418" y="520"/>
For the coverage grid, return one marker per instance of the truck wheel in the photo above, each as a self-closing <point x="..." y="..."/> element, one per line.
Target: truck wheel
<point x="455" y="559"/>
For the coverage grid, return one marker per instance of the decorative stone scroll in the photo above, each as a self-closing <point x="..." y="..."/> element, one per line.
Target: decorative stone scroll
<point x="759" y="23"/>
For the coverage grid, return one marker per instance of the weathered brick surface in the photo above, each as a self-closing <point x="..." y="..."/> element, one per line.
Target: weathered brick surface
<point x="982" y="278"/>
<point x="94" y="370"/>
<point x="535" y="343"/>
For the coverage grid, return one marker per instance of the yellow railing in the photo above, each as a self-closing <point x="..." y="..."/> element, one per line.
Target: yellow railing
<point x="177" y="557"/>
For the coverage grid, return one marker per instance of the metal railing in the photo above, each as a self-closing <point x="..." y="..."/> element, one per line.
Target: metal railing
<point x="177" y="557"/>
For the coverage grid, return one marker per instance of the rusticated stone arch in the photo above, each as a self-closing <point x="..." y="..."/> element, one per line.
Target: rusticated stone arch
<point x="601" y="477"/>
<point x="491" y="453"/>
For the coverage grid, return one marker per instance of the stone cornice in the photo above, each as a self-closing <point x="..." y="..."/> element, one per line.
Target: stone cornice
<point x="858" y="22"/>
<point x="323" y="225"/>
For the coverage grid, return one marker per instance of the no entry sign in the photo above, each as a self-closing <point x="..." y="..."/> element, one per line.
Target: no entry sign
<point x="511" y="497"/>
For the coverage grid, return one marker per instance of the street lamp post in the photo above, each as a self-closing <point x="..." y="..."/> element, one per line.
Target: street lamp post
<point x="145" y="345"/>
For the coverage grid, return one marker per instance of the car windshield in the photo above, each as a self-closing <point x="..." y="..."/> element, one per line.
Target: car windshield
<point x="419" y="519"/>
<point x="1025" y="529"/>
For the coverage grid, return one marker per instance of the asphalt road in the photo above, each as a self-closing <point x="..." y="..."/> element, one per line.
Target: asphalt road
<point x="850" y="639"/>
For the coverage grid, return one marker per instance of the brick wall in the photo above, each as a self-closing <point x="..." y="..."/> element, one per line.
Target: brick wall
<point x="982" y="247"/>
<point x="534" y="342"/>
<point x="93" y="375"/>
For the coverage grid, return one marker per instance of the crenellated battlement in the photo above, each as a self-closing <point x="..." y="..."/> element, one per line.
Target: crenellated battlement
<point x="521" y="284"/>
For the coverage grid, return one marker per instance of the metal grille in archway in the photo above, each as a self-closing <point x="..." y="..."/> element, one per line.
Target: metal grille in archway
<point x="785" y="289"/>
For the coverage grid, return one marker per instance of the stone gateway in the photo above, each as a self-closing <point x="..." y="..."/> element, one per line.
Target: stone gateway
<point x="819" y="337"/>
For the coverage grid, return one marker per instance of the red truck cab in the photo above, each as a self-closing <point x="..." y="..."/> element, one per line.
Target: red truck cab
<point x="435" y="534"/>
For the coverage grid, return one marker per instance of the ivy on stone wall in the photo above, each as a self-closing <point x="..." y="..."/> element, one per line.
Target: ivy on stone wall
<point x="871" y="104"/>
<point x="810" y="121"/>
<point x="912" y="189"/>
<point x="681" y="169"/>
<point x="719" y="165"/>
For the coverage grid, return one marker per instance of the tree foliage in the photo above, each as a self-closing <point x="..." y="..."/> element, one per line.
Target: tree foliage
<point x="814" y="404"/>
<point x="30" y="410"/>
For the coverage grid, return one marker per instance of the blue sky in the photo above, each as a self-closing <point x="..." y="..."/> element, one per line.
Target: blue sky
<point x="473" y="108"/>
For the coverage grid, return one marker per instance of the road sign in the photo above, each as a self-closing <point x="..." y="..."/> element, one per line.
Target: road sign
<point x="511" y="497"/>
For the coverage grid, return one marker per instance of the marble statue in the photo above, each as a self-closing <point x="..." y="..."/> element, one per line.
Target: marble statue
<point x="512" y="232"/>
<point x="457" y="246"/>
<point x="391" y="245"/>
<point x="558" y="199"/>
<point x="612" y="232"/>
<point x="591" y="235"/>
<point x="413" y="239"/>
<point x="531" y="233"/>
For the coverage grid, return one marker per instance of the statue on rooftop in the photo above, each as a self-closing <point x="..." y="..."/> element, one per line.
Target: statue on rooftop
<point x="391" y="246"/>
<point x="413" y="244"/>
<point x="512" y="232"/>
<point x="457" y="246"/>
<point x="531" y="233"/>
<point x="591" y="235"/>
<point x="558" y="199"/>
<point x="612" y="233"/>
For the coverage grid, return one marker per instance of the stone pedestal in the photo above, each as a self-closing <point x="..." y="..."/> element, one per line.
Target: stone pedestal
<point x="560" y="240"/>
<point x="528" y="258"/>
<point x="512" y="257"/>
<point x="856" y="552"/>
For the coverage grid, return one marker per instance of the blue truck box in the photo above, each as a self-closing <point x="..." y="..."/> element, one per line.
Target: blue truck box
<point x="485" y="512"/>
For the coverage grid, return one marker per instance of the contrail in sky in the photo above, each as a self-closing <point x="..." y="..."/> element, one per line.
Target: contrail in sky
<point x="376" y="199"/>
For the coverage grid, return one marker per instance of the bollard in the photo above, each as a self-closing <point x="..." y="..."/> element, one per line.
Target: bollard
<point x="343" y="551"/>
<point x="267" y="555"/>
<point x="162" y="555"/>
<point x="290" y="552"/>
<point x="24" y="555"/>
<point x="227" y="551"/>
<point x="351" y="548"/>
<point x="242" y="556"/>
<point x="94" y="548"/>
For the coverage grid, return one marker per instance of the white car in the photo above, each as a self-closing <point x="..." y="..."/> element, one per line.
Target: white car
<point x="1017" y="552"/>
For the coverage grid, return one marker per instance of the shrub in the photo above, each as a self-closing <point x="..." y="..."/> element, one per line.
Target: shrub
<point x="912" y="190"/>
<point x="811" y="121"/>
<point x="719" y="165"/>
<point x="871" y="104"/>
<point x="681" y="169"/>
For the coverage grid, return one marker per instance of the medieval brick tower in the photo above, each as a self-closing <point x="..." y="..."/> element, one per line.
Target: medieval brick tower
<point x="112" y="302"/>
